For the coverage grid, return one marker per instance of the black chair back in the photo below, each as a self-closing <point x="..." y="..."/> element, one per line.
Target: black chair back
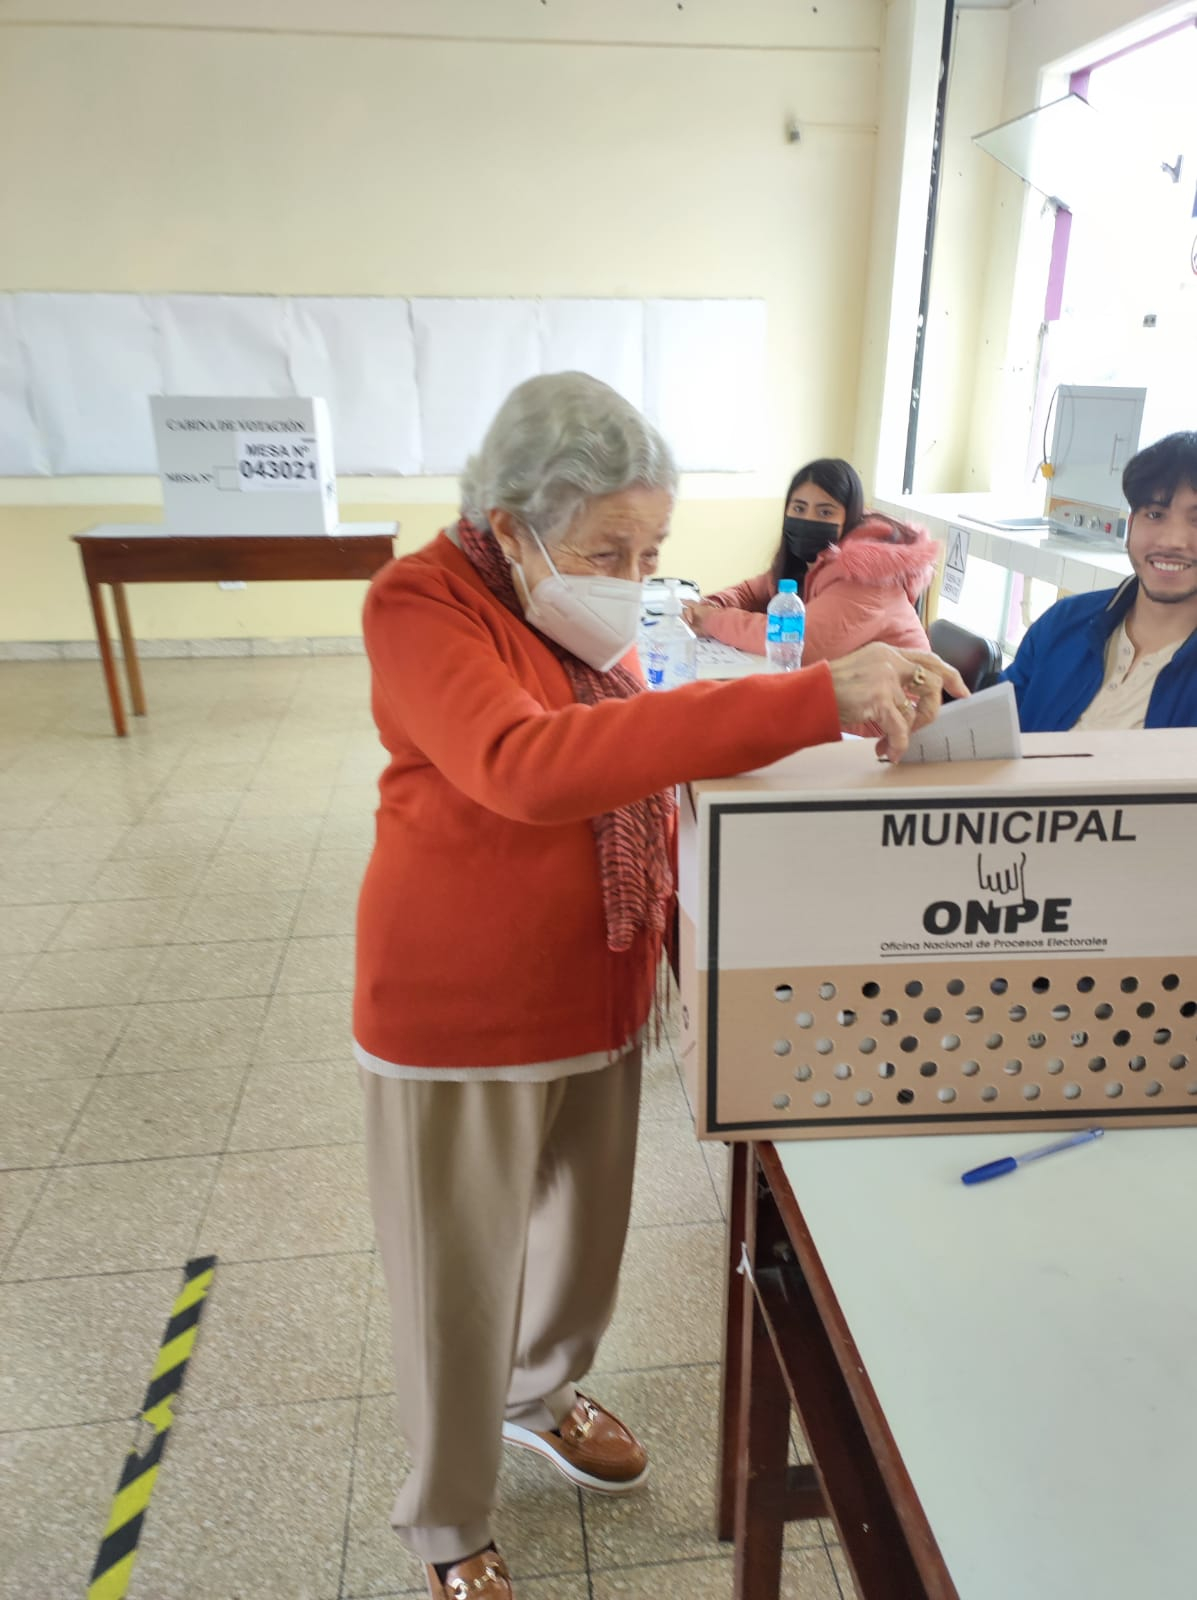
<point x="977" y="660"/>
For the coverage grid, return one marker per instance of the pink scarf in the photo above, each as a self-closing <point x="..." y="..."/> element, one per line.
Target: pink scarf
<point x="633" y="842"/>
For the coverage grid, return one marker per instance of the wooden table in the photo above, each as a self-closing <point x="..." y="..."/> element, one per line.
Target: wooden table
<point x="996" y="1384"/>
<point x="144" y="553"/>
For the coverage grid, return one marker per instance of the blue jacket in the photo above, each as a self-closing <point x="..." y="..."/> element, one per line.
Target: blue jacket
<point x="1060" y="665"/>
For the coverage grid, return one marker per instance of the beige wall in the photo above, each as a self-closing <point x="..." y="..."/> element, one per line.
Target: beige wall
<point x="239" y="156"/>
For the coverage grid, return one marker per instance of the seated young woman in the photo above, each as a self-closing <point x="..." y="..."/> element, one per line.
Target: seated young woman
<point x="859" y="573"/>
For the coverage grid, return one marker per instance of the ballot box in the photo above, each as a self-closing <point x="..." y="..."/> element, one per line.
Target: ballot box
<point x="868" y="949"/>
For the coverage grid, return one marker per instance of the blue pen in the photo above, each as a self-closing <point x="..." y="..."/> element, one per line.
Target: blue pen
<point x="998" y="1169"/>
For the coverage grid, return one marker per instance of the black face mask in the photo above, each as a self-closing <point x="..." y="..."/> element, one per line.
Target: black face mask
<point x="806" y="538"/>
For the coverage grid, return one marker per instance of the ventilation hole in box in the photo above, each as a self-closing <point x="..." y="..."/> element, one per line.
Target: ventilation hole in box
<point x="886" y="1069"/>
<point x="1087" y="985"/>
<point x="827" y="991"/>
<point x="905" y="1096"/>
<point x="1153" y="1088"/>
<point x="1013" y="1067"/>
<point x="888" y="1017"/>
<point x="867" y="1046"/>
<point x="1036" y="1040"/>
<point x="1178" y="1063"/>
<point x="1113" y="1090"/>
<point x="821" y="1098"/>
<point x="1145" y="1010"/>
<point x="914" y="988"/>
<point x="781" y="1102"/>
<point x="870" y="990"/>
<point x="805" y="1019"/>
<point x="864" y="1097"/>
<point x="1192" y="1089"/>
<point x="1018" y="1013"/>
<point x="782" y="1047"/>
<point x="928" y="1069"/>
<point x="1122" y="1037"/>
<point x="1103" y="1012"/>
<point x="1080" y="1039"/>
<point x="1041" y="985"/>
<point x="998" y="986"/>
<point x="824" y="1046"/>
<point x="1170" y="982"/>
<point x="1061" y="1013"/>
<point x="933" y="1014"/>
<point x="803" y="1073"/>
<point x="989" y="1092"/>
<point x="950" y="1041"/>
<point x="909" y="1044"/>
<point x="955" y="985"/>
<point x="971" y="1068"/>
<point x="783" y="992"/>
<point x="1189" y="1009"/>
<point x="1097" y="1064"/>
<point x="1137" y="1063"/>
<point x="1055" y="1066"/>
<point x="1030" y="1091"/>
<point x="1072" y="1091"/>
<point x="1128" y="985"/>
<point x="846" y="1019"/>
<point x="843" y="1070"/>
<point x="947" y="1094"/>
<point x="974" y="1014"/>
<point x="994" y="1042"/>
<point x="1162" y="1036"/>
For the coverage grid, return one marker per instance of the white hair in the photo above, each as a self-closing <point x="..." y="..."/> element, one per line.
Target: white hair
<point x="559" y="441"/>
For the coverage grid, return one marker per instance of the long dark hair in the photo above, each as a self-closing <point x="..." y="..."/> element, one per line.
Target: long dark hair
<point x="841" y="481"/>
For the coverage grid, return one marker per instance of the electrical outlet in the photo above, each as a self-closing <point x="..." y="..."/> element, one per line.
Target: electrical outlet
<point x="230" y="583"/>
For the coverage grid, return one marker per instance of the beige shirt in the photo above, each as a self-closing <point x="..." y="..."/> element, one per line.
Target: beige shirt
<point x="1122" y="700"/>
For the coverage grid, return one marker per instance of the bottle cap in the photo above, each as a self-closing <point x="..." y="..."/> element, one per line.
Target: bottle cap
<point x="787" y="586"/>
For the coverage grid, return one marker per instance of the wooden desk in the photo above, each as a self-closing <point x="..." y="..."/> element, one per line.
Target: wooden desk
<point x="997" y="1384"/>
<point x="144" y="553"/>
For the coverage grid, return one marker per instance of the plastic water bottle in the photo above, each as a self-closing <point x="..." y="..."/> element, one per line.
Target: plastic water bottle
<point x="785" y="628"/>
<point x="671" y="649"/>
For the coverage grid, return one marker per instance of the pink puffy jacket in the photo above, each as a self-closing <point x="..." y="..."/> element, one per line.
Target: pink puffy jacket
<point x="858" y="591"/>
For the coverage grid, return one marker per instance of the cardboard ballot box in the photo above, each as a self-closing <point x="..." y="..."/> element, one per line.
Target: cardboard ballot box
<point x="871" y="949"/>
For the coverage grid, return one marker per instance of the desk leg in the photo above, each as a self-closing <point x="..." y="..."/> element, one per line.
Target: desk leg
<point x="129" y="647"/>
<point x="106" y="660"/>
<point x="764" y="1440"/>
<point x="735" y="1288"/>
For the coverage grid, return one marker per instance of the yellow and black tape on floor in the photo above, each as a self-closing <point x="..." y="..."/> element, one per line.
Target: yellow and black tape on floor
<point x="118" y="1547"/>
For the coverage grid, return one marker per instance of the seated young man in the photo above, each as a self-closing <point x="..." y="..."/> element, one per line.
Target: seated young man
<point x="1126" y="658"/>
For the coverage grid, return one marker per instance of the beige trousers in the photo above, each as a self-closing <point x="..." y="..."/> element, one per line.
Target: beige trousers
<point x="501" y="1211"/>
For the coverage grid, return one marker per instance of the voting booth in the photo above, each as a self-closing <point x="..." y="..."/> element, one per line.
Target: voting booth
<point x="256" y="466"/>
<point x="870" y="949"/>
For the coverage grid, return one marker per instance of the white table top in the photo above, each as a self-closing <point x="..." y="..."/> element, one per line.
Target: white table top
<point x="1031" y="1343"/>
<point x="159" y="530"/>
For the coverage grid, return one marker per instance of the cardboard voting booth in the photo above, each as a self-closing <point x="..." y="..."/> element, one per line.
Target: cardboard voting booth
<point x="870" y="949"/>
<point x="259" y="466"/>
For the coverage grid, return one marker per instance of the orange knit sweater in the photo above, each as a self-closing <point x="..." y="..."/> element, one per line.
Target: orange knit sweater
<point x="481" y="935"/>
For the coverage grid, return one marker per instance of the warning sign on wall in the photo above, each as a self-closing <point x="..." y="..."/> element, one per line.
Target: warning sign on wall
<point x="954" y="564"/>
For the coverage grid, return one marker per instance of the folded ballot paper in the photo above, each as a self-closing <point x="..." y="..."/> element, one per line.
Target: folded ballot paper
<point x="982" y="728"/>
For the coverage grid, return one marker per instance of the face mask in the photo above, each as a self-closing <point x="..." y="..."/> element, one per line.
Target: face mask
<point x="594" y="618"/>
<point x="805" y="538"/>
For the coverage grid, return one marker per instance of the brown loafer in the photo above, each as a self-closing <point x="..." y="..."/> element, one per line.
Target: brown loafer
<point x="482" y="1577"/>
<point x="592" y="1448"/>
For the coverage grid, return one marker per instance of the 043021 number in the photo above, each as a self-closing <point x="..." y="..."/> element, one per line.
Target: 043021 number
<point x="277" y="469"/>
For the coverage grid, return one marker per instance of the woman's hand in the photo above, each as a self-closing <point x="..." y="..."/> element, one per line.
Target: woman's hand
<point x="899" y="690"/>
<point x="696" y="616"/>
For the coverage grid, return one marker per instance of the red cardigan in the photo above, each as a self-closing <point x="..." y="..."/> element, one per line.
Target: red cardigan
<point x="481" y="936"/>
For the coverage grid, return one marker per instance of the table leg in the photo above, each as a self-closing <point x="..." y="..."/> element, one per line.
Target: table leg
<point x="106" y="659"/>
<point x="129" y="647"/>
<point x="764" y="1442"/>
<point x="735" y="1288"/>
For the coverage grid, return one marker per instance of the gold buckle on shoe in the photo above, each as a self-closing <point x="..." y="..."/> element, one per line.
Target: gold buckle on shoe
<point x="462" y="1588"/>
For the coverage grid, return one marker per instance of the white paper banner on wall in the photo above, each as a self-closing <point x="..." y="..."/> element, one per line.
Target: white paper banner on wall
<point x="97" y="359"/>
<point x="704" y="380"/>
<point x="359" y="355"/>
<point x="470" y="354"/>
<point x="223" y="344"/>
<point x="602" y="337"/>
<point x="21" y="448"/>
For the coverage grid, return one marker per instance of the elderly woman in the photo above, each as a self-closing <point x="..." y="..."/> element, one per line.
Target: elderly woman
<point x="510" y="931"/>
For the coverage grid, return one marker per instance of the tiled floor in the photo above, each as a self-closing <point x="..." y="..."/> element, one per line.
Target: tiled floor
<point x="176" y="913"/>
